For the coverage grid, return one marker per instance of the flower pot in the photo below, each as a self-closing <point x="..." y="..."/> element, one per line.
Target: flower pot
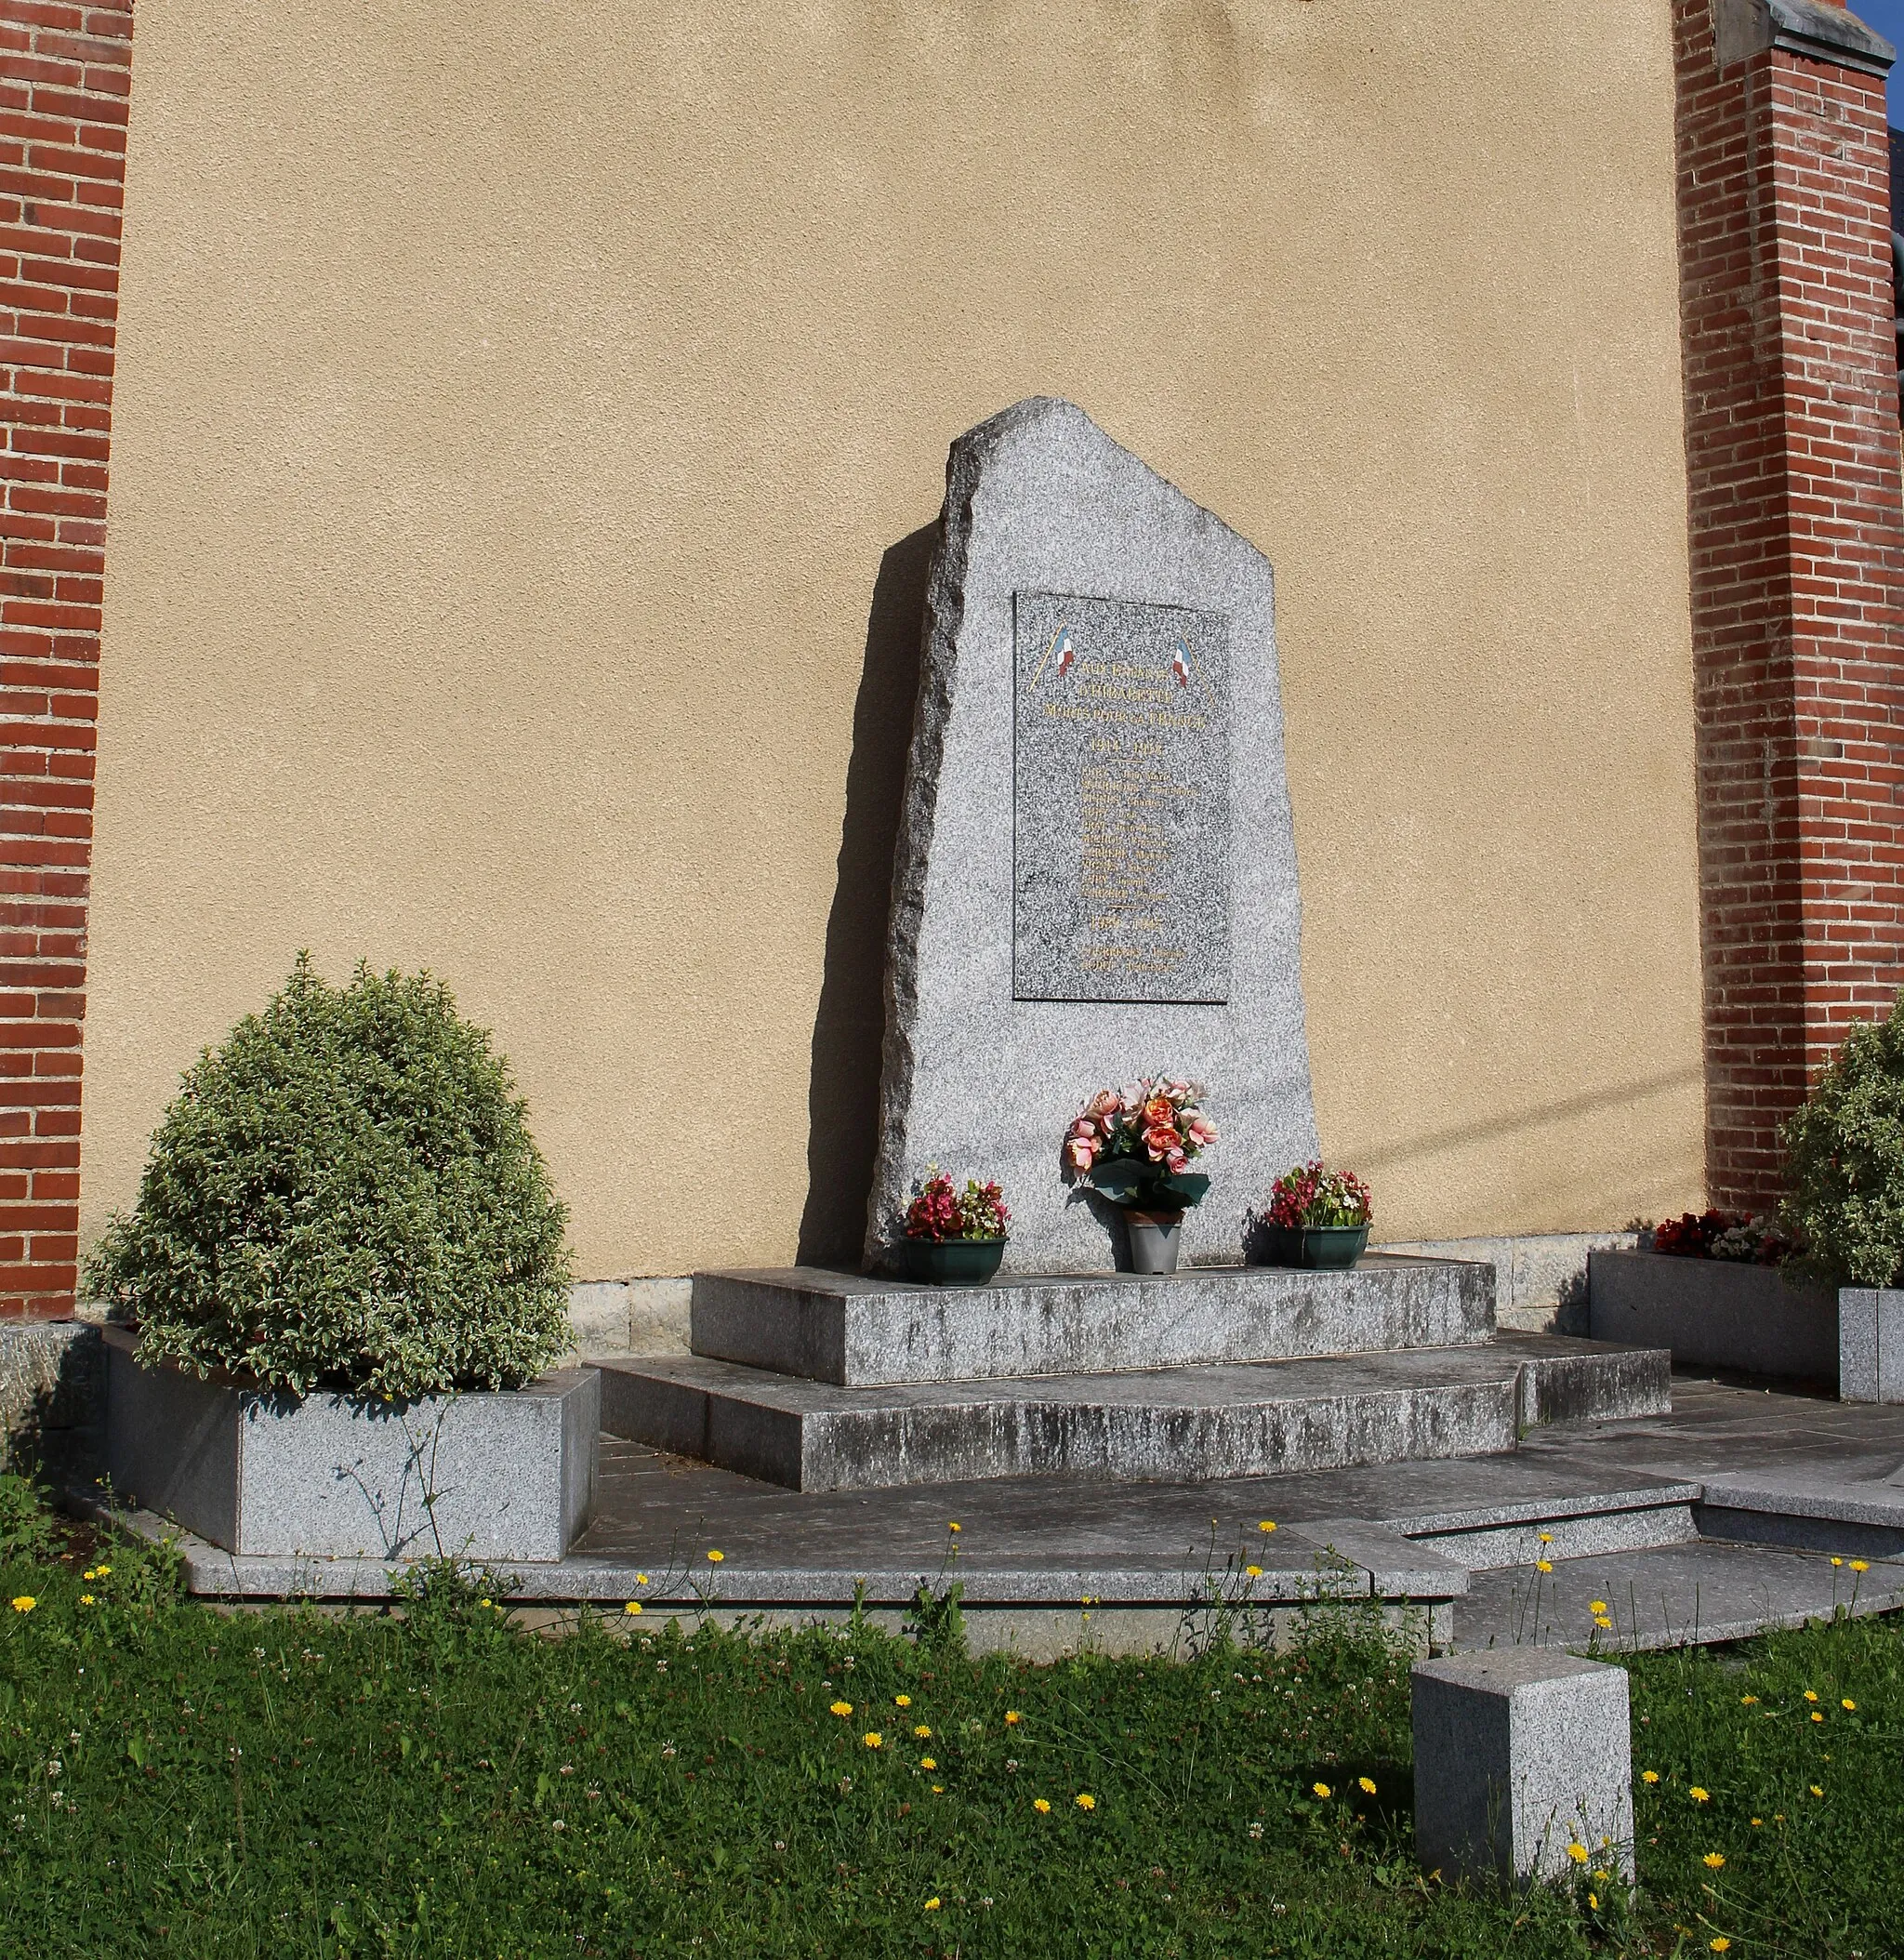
<point x="1328" y="1248"/>
<point x="1155" y="1238"/>
<point x="953" y="1262"/>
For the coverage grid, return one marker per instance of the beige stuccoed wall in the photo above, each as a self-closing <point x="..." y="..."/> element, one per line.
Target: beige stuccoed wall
<point x="515" y="410"/>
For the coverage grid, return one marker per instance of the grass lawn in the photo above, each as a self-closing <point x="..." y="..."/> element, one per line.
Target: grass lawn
<point x="291" y="1783"/>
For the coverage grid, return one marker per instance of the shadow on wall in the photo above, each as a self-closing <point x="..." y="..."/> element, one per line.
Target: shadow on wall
<point x="843" y="1091"/>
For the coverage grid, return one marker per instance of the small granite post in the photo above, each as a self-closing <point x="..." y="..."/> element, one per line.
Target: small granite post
<point x="1520" y="1754"/>
<point x="1096" y="875"/>
<point x="1870" y="1344"/>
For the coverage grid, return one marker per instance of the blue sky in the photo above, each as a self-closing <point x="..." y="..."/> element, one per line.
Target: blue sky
<point x="1887" y="17"/>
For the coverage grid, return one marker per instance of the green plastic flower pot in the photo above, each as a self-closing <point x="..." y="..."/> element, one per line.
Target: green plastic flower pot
<point x="1329" y="1249"/>
<point x="953" y="1262"/>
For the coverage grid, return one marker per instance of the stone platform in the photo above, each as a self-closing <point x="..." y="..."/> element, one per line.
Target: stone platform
<point x="1708" y="1523"/>
<point x="863" y="1332"/>
<point x="1246" y="1419"/>
<point x="825" y="1380"/>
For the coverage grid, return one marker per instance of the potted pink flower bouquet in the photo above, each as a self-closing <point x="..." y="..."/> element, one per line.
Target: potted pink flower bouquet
<point x="954" y="1237"/>
<point x="1134" y="1147"/>
<point x="1316" y="1217"/>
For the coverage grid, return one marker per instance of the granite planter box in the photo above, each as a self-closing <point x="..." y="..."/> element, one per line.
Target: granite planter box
<point x="1714" y="1312"/>
<point x="504" y="1477"/>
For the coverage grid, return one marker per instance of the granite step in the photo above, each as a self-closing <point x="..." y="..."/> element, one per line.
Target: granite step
<point x="864" y="1332"/>
<point x="1490" y="1537"/>
<point x="1212" y="1422"/>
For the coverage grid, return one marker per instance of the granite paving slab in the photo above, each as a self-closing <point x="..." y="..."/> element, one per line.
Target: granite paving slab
<point x="1667" y="1597"/>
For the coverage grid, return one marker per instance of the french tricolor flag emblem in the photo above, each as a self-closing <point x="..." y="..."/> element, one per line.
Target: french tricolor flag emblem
<point x="1180" y="665"/>
<point x="1067" y="653"/>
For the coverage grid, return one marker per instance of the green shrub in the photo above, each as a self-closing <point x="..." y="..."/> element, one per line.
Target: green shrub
<point x="346" y="1195"/>
<point x="1845" y="1159"/>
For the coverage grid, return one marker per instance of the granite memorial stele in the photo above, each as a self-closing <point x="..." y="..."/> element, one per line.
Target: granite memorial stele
<point x="1096" y="873"/>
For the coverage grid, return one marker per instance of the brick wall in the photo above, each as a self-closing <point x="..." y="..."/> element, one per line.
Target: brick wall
<point x="1797" y="537"/>
<point x="65" y="76"/>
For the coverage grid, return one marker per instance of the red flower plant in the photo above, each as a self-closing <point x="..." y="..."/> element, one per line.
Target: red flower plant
<point x="940" y="1210"/>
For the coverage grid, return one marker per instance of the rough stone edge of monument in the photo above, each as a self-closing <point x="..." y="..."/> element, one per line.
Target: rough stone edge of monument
<point x="944" y="612"/>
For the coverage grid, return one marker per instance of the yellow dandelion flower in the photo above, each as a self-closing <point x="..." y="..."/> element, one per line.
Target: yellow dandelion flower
<point x="483" y="1602"/>
<point x="641" y="1578"/>
<point x="1649" y="1776"/>
<point x="1578" y="1853"/>
<point x="1816" y="1790"/>
<point x="1756" y="1821"/>
<point x="25" y="1603"/>
<point x="954" y="1525"/>
<point x="90" y="1572"/>
<point x="1816" y="1715"/>
<point x="926" y="1762"/>
<point x="634" y="1606"/>
<point x="1546" y="1538"/>
<point x="86" y="1599"/>
<point x="1086" y="1801"/>
<point x="1592" y="1903"/>
<point x="902" y="1700"/>
<point x="1721" y="1944"/>
<point x="931" y="1905"/>
<point x="1837" y="1561"/>
<point x="1601" y="1620"/>
<point x="1012" y="1718"/>
<point x="1597" y="1606"/>
<point x="938" y="1789"/>
<point x="1699" y="1795"/>
<point x="873" y="1738"/>
<point x="1321" y="1790"/>
<point x="715" y="1557"/>
<point x="1543" y="1565"/>
<point x="1810" y="1695"/>
<point x="923" y="1730"/>
<point x="1849" y="1706"/>
<point x="839" y="1708"/>
<point x="1860" y="1565"/>
<point x="1268" y="1524"/>
<point x="1714" y="1860"/>
<point x="1367" y="1784"/>
<point x="1748" y="1700"/>
<point x="102" y="1572"/>
<point x="1254" y="1571"/>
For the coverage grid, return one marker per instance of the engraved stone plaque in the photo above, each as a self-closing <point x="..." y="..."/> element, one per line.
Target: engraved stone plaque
<point x="1122" y="801"/>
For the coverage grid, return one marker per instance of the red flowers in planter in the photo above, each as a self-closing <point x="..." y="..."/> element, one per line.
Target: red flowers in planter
<point x="1741" y="1236"/>
<point x="940" y="1210"/>
<point x="1314" y="1196"/>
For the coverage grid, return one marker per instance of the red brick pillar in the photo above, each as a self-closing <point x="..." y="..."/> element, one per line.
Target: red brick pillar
<point x="65" y="78"/>
<point x="1797" y="537"/>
